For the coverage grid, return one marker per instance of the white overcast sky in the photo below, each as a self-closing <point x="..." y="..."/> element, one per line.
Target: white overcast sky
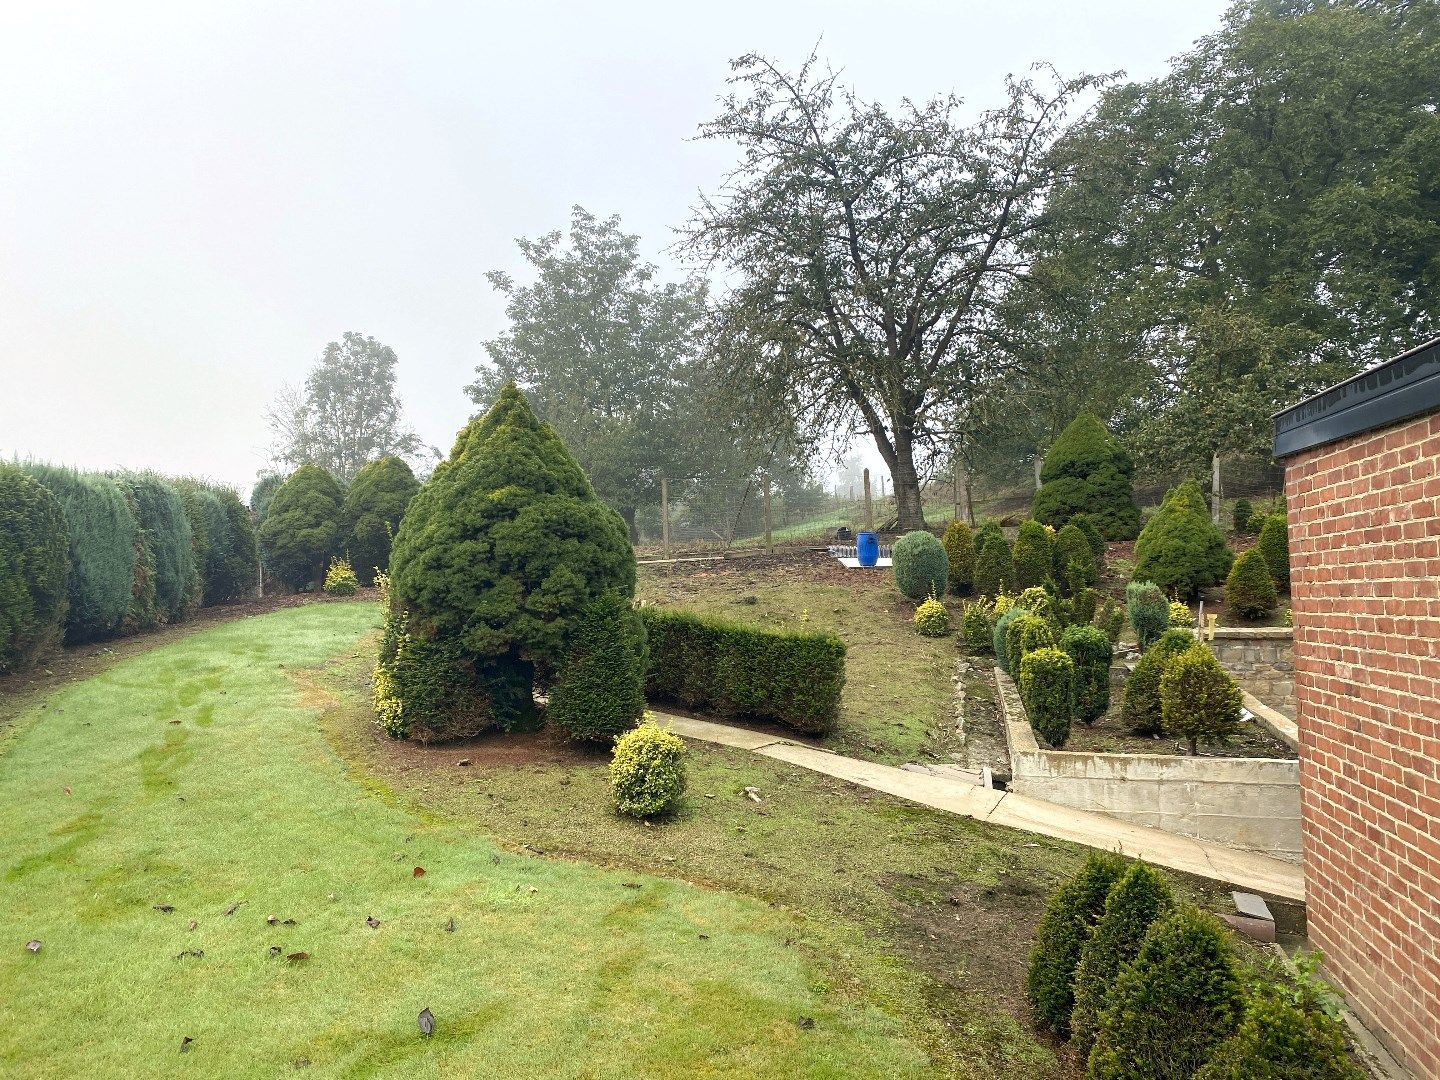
<point x="195" y="198"/>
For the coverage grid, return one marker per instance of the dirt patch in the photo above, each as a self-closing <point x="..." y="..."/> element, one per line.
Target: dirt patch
<point x="492" y="750"/>
<point x="1109" y="736"/>
<point x="985" y="742"/>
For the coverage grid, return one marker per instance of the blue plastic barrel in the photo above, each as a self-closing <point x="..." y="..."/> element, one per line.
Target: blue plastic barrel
<point x="867" y="548"/>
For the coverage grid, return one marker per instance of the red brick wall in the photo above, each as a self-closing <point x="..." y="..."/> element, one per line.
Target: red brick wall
<point x="1365" y="581"/>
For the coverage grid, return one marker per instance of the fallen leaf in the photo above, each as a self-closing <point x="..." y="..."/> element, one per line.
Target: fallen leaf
<point x="427" y="1021"/>
<point x="197" y="953"/>
<point x="235" y="907"/>
<point x="67" y="791"/>
<point x="372" y="922"/>
<point x="289" y="922"/>
<point x="275" y="950"/>
<point x="296" y="957"/>
<point x="630" y="884"/>
<point x="419" y="871"/>
<point x="272" y="919"/>
<point x="464" y="761"/>
<point x="192" y="925"/>
<point x="164" y="909"/>
<point x="805" y="1023"/>
<point x="174" y="721"/>
<point x="33" y="946"/>
<point x="450" y="926"/>
<point x="704" y="937"/>
<point x="185" y="1044"/>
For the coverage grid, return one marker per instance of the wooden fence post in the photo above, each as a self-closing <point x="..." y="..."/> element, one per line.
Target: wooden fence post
<point x="1215" y="487"/>
<point x="869" y="510"/>
<point x="665" y="516"/>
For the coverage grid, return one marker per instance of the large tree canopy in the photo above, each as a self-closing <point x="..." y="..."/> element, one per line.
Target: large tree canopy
<point x="1252" y="226"/>
<point x="347" y="414"/>
<point x="603" y="351"/>
<point x="871" y="249"/>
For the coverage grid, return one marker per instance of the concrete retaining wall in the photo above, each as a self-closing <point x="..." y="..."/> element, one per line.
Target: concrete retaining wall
<point x="1262" y="659"/>
<point x="1250" y="803"/>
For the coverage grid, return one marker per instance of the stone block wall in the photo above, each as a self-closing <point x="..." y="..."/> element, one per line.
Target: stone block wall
<point x="1262" y="659"/>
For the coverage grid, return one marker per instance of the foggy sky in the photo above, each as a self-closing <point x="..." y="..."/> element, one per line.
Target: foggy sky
<point x="195" y="198"/>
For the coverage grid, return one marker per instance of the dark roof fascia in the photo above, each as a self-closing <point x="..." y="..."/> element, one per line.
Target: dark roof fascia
<point x="1388" y="393"/>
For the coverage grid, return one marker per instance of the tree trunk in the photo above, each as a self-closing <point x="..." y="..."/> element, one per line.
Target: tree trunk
<point x="628" y="514"/>
<point x="909" y="512"/>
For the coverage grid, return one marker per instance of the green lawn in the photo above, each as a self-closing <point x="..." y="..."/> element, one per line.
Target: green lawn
<point x="898" y="703"/>
<point x="197" y="776"/>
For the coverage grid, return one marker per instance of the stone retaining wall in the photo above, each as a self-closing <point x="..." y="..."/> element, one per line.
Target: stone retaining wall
<point x="1262" y="659"/>
<point x="1250" y="803"/>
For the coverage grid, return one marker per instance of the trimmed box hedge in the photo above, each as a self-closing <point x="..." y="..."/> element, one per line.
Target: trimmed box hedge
<point x="791" y="677"/>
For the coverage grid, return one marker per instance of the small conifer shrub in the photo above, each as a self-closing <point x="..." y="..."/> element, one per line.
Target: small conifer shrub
<point x="1001" y="635"/>
<point x="1086" y="524"/>
<point x="1171" y="1006"/>
<point x="921" y="566"/>
<point x="977" y="624"/>
<point x="1250" y="589"/>
<point x="1199" y="700"/>
<point x="994" y="567"/>
<point x="1026" y="633"/>
<point x="959" y="544"/>
<point x="370" y="515"/>
<point x="1274" y="545"/>
<point x="1033" y="555"/>
<point x="1070" y="914"/>
<point x="303" y="526"/>
<point x="1047" y="687"/>
<point x="1075" y="564"/>
<point x="1087" y="472"/>
<point x="1240" y="516"/>
<point x="340" y="579"/>
<point x="1093" y="654"/>
<point x="1278" y="1040"/>
<point x="1140" y="711"/>
<point x="1148" y="611"/>
<point x="931" y="618"/>
<point x="647" y="772"/>
<point x="1181" y="549"/>
<point x="1141" y="896"/>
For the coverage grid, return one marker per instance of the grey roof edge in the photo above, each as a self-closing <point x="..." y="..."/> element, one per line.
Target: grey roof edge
<point x="1399" y="389"/>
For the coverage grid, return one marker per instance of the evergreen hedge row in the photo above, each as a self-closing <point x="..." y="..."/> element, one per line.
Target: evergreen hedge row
<point x="791" y="677"/>
<point x="34" y="568"/>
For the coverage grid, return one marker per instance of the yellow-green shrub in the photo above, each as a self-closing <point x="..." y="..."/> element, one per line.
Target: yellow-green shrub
<point x="647" y="772"/>
<point x="1199" y="700"/>
<point x="931" y="618"/>
<point x="1047" y="687"/>
<point x="340" y="579"/>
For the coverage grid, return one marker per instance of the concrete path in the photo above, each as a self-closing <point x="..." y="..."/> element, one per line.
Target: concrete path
<point x="1248" y="870"/>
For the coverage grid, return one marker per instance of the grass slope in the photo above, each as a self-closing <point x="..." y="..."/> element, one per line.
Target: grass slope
<point x="197" y="777"/>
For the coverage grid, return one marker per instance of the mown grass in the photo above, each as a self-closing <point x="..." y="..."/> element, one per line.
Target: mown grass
<point x="197" y="777"/>
<point x="898" y="703"/>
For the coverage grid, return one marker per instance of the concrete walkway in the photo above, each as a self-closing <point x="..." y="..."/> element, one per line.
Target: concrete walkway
<point x="1245" y="869"/>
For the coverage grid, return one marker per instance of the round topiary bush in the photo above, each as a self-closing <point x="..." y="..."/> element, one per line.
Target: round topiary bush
<point x="1047" y="687"/>
<point x="1038" y="602"/>
<point x="502" y="549"/>
<point x="1140" y="711"/>
<point x="1136" y="901"/>
<point x="1181" y="549"/>
<point x="1170" y="1007"/>
<point x="1087" y="472"/>
<point x="959" y="545"/>
<point x="647" y="773"/>
<point x="600" y="690"/>
<point x="921" y="566"/>
<point x="1033" y="555"/>
<point x="994" y="568"/>
<point x="1070" y="913"/>
<point x="1199" y="699"/>
<point x="371" y="513"/>
<point x="34" y="569"/>
<point x="1274" y="545"/>
<point x="1093" y="654"/>
<point x="303" y="526"/>
<point x="1250" y="590"/>
<point x="103" y="537"/>
<point x="1277" y="1040"/>
<point x="1148" y="611"/>
<point x="340" y="579"/>
<point x="931" y="618"/>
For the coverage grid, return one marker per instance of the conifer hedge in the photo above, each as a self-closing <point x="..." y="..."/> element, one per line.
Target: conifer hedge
<point x="1088" y="472"/>
<point x="1033" y="555"/>
<point x="1250" y="589"/>
<point x="794" y="678"/>
<point x="994" y="568"/>
<point x="599" y="692"/>
<point x="224" y="540"/>
<point x="371" y="513"/>
<point x="34" y="568"/>
<point x="171" y="540"/>
<point x="102" y="535"/>
<point x="959" y="544"/>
